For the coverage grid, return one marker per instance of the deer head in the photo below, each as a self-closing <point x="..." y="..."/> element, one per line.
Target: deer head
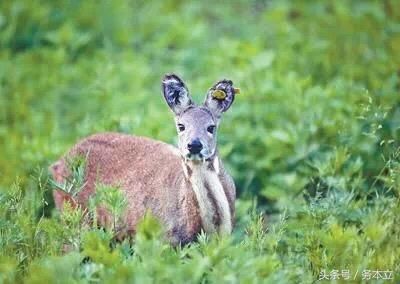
<point x="197" y="125"/>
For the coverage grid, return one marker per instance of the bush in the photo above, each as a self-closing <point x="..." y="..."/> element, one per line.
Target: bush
<point x="312" y="142"/>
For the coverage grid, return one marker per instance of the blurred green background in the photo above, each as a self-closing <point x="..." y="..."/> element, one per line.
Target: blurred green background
<point x="318" y="115"/>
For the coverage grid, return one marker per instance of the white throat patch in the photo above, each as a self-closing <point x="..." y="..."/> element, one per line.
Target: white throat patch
<point x="212" y="199"/>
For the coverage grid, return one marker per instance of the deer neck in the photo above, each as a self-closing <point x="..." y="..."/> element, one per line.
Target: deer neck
<point x="204" y="178"/>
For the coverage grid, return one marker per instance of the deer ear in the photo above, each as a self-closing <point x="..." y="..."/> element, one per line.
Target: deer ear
<point x="220" y="97"/>
<point x="176" y="94"/>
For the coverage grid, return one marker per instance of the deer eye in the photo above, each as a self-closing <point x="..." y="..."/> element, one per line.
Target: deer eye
<point x="181" y="127"/>
<point x="211" y="129"/>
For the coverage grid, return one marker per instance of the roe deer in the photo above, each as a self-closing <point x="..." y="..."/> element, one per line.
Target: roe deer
<point x="187" y="189"/>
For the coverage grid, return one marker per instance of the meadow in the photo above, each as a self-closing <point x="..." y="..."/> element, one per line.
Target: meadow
<point x="312" y="141"/>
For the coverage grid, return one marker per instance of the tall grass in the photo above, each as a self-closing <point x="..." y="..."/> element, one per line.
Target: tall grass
<point x="312" y="142"/>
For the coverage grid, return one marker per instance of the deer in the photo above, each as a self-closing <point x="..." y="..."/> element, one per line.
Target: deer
<point x="186" y="188"/>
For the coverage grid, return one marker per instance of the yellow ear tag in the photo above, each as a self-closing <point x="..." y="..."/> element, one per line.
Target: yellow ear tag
<point x="219" y="95"/>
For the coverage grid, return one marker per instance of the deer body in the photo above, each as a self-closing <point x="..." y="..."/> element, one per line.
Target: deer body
<point x="186" y="188"/>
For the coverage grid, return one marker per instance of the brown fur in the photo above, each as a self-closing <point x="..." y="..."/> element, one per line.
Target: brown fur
<point x="151" y="174"/>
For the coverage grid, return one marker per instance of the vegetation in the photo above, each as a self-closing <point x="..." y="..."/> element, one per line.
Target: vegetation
<point x="312" y="140"/>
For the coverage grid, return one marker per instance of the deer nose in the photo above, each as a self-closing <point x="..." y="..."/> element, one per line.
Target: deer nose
<point x="195" y="146"/>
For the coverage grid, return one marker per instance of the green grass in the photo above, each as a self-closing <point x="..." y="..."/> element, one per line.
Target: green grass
<point x="312" y="141"/>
